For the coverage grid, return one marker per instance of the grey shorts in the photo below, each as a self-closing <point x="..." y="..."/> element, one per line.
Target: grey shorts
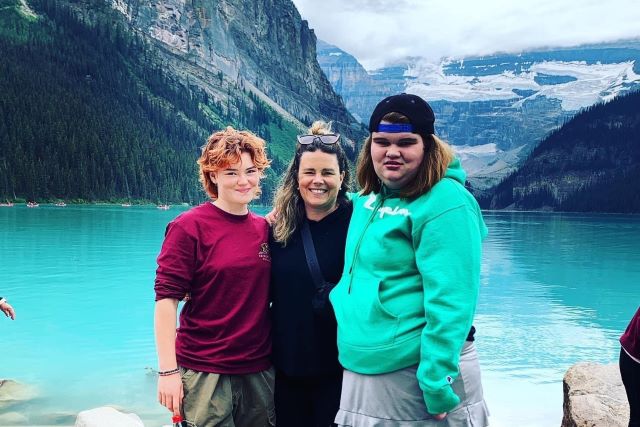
<point x="220" y="400"/>
<point x="395" y="399"/>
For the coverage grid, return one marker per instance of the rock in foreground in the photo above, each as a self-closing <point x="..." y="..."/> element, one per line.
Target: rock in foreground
<point x="107" y="417"/>
<point x="13" y="393"/>
<point x="594" y="397"/>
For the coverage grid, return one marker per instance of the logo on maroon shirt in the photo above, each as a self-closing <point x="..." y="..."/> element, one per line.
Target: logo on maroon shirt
<point x="264" y="253"/>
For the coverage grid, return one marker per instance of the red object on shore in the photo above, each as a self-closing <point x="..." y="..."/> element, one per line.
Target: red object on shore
<point x="178" y="421"/>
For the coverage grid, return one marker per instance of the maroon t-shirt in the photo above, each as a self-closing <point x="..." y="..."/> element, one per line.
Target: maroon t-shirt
<point x="221" y="262"/>
<point x="630" y="340"/>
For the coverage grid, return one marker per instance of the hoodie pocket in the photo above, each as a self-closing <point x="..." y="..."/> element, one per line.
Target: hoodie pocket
<point x="362" y="319"/>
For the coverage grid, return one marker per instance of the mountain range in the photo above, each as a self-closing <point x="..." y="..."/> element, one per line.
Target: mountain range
<point x="110" y="100"/>
<point x="262" y="46"/>
<point x="493" y="109"/>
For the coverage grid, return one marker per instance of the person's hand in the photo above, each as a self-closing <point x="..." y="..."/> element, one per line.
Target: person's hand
<point x="170" y="392"/>
<point x="8" y="310"/>
<point x="440" y="417"/>
<point x="271" y="217"/>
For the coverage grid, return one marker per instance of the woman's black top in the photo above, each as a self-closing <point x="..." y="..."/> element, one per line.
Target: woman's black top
<point x="304" y="341"/>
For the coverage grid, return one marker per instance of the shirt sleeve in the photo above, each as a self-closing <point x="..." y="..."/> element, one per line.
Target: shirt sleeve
<point x="176" y="264"/>
<point x="448" y="252"/>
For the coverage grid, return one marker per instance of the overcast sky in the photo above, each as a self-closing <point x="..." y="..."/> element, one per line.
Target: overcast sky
<point x="380" y="31"/>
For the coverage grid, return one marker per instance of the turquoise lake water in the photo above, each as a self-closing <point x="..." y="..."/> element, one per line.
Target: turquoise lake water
<point x="556" y="289"/>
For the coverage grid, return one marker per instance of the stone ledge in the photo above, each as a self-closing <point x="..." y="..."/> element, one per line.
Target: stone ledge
<point x="594" y="397"/>
<point x="107" y="416"/>
<point x="13" y="393"/>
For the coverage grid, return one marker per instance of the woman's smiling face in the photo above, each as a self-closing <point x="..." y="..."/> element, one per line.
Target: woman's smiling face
<point x="319" y="180"/>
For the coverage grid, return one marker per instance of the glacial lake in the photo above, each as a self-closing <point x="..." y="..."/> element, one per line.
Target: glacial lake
<point x="556" y="289"/>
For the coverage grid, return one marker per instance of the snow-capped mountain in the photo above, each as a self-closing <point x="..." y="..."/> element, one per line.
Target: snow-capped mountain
<point x="575" y="84"/>
<point x="494" y="109"/>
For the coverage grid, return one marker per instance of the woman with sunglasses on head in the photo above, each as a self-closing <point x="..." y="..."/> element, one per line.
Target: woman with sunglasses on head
<point x="307" y="249"/>
<point x="406" y="300"/>
<point x="216" y="370"/>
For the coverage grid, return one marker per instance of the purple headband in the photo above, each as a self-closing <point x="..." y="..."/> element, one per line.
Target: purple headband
<point x="413" y="107"/>
<point x="395" y="128"/>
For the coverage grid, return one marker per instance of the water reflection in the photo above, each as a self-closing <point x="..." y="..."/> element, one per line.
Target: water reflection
<point x="556" y="289"/>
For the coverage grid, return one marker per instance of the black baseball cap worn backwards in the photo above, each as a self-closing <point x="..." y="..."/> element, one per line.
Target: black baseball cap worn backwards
<point x="413" y="107"/>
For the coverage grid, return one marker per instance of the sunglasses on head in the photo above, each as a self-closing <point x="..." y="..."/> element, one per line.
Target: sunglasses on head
<point x="328" y="139"/>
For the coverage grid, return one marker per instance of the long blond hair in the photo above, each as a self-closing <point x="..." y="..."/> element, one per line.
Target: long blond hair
<point x="287" y="201"/>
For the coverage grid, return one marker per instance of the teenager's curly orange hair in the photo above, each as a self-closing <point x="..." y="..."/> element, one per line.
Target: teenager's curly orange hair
<point x="223" y="148"/>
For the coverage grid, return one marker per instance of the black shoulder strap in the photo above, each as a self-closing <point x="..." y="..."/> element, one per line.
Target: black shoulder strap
<point x="310" y="253"/>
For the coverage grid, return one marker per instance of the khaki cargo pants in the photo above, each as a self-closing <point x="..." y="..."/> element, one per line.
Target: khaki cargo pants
<point x="221" y="400"/>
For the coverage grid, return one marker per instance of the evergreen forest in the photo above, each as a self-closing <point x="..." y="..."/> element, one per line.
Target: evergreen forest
<point x="590" y="164"/>
<point x="89" y="113"/>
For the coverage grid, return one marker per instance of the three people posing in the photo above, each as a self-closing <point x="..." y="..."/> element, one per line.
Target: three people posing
<point x="404" y="302"/>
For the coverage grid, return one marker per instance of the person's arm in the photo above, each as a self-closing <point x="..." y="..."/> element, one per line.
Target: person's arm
<point x="6" y="308"/>
<point x="176" y="266"/>
<point x="170" y="391"/>
<point x="448" y="250"/>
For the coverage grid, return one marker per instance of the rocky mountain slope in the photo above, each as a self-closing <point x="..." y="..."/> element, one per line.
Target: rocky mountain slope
<point x="110" y="100"/>
<point x="262" y="46"/>
<point x="590" y="164"/>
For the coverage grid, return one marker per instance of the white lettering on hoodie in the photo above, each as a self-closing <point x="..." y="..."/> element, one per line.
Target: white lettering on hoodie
<point x="385" y="210"/>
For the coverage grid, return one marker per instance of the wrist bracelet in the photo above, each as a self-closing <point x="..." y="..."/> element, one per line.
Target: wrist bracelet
<point x="2" y="300"/>
<point x="169" y="372"/>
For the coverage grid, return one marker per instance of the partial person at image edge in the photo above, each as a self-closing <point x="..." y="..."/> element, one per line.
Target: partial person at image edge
<point x="630" y="367"/>
<point x="7" y="309"/>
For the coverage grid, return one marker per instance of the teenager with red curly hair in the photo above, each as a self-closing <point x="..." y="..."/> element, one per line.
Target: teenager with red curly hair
<point x="215" y="369"/>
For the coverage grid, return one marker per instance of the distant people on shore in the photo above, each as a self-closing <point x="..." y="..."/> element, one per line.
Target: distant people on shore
<point x="630" y="367"/>
<point x="7" y="309"/>
<point x="307" y="249"/>
<point x="407" y="297"/>
<point x="216" y="368"/>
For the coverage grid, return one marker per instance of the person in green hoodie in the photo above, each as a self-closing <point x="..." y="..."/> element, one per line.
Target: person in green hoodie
<point x="407" y="297"/>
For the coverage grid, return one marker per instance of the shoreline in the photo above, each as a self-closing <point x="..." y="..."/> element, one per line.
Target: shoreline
<point x="599" y="383"/>
<point x="145" y="203"/>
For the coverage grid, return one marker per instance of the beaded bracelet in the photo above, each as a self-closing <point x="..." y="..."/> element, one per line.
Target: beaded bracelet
<point x="169" y="372"/>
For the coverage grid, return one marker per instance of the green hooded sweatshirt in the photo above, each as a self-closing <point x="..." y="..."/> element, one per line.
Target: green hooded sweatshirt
<point x="410" y="284"/>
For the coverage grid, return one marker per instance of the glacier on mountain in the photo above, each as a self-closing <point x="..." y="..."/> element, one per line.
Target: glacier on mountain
<point x="591" y="83"/>
<point x="494" y="109"/>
